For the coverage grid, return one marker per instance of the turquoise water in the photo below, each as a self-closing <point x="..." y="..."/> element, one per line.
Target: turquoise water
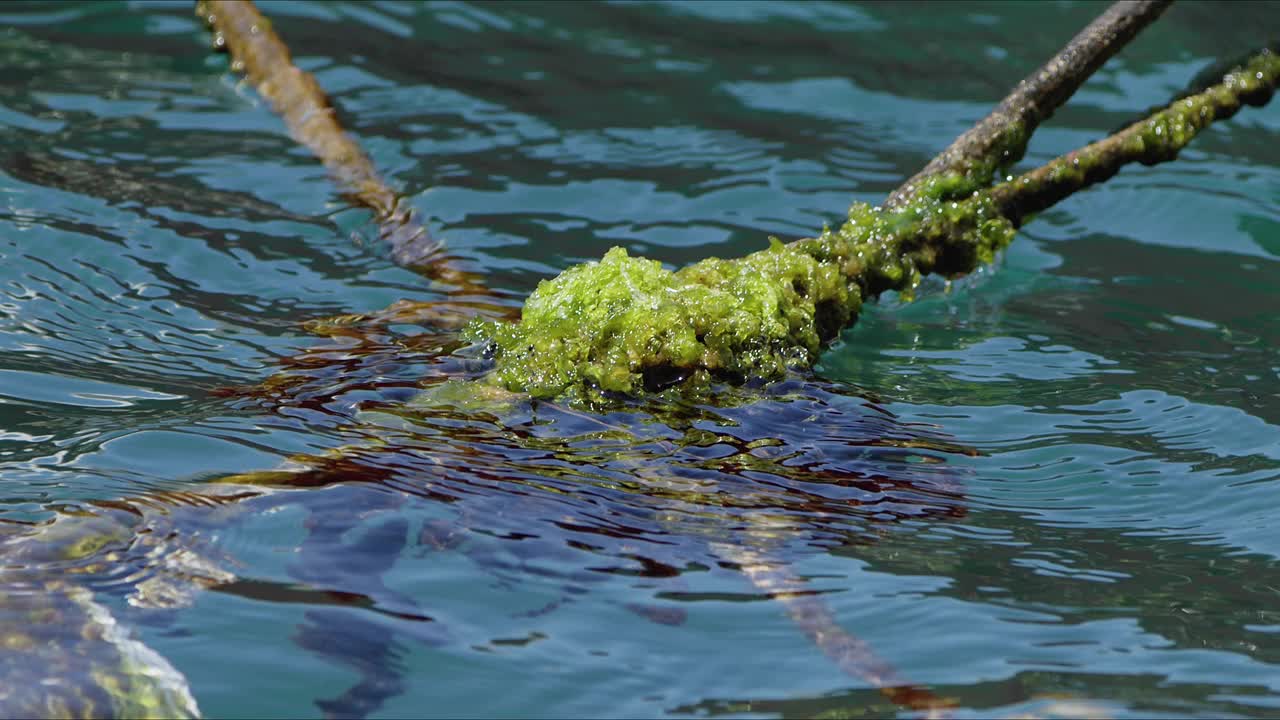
<point x="1054" y="482"/>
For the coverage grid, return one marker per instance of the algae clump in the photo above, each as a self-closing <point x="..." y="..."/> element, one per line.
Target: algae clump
<point x="626" y="324"/>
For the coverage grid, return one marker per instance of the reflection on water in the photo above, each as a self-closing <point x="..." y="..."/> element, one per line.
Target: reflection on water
<point x="537" y="492"/>
<point x="1047" y="490"/>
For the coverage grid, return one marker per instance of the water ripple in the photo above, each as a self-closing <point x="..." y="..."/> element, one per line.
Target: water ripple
<point x="1054" y="477"/>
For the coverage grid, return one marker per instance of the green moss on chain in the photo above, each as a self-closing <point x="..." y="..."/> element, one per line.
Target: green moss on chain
<point x="624" y="324"/>
<point x="1157" y="138"/>
<point x="1167" y="132"/>
<point x="975" y="173"/>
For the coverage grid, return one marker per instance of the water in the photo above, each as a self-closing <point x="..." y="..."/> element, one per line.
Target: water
<point x="1054" y="483"/>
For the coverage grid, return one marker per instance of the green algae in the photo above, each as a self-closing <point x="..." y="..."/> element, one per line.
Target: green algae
<point x="624" y="324"/>
<point x="1168" y="131"/>
<point x="968" y="174"/>
<point x="627" y="324"/>
<point x="1157" y="138"/>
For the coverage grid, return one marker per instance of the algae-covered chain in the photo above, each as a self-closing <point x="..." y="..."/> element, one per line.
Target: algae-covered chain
<point x="625" y="324"/>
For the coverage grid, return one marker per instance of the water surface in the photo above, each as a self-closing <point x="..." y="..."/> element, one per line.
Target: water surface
<point x="1055" y="480"/>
